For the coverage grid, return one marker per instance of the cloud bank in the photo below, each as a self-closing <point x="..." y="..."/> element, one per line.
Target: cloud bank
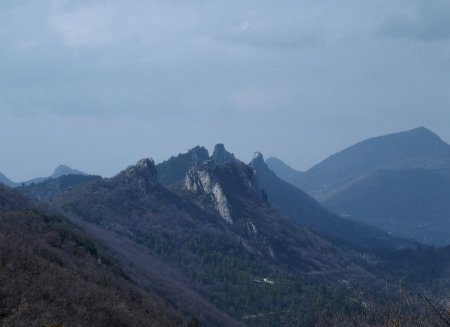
<point x="297" y="79"/>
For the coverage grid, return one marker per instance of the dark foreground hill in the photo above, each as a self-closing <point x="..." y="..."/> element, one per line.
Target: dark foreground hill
<point x="398" y="182"/>
<point x="52" y="274"/>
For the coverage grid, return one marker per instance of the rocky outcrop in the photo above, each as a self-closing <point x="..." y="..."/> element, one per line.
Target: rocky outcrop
<point x="225" y="185"/>
<point x="143" y="174"/>
<point x="174" y="170"/>
<point x="221" y="156"/>
<point x="201" y="180"/>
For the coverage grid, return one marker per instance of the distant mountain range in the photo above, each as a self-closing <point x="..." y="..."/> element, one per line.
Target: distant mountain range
<point x="293" y="202"/>
<point x="307" y="212"/>
<point x="61" y="170"/>
<point x="50" y="187"/>
<point x="199" y="239"/>
<point x="398" y="182"/>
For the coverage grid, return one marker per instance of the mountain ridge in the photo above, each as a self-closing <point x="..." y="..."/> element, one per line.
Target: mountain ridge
<point x="351" y="174"/>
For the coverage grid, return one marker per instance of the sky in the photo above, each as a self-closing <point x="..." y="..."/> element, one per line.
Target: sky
<point x="99" y="84"/>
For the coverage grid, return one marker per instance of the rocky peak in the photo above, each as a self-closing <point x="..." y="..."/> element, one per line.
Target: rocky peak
<point x="143" y="172"/>
<point x="258" y="158"/>
<point x="221" y="156"/>
<point x="199" y="154"/>
<point x="258" y="162"/>
<point x="224" y="184"/>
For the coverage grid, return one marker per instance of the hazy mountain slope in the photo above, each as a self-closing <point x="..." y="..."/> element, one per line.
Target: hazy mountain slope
<point x="305" y="211"/>
<point x="59" y="171"/>
<point x="283" y="171"/>
<point x="413" y="203"/>
<point x="398" y="182"/>
<point x="52" y="273"/>
<point x="218" y="232"/>
<point x="48" y="189"/>
<point x="417" y="148"/>
<point x="6" y="181"/>
<point x="63" y="170"/>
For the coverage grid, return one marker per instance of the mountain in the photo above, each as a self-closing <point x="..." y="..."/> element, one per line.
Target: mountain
<point x="53" y="274"/>
<point x="418" y="148"/>
<point x="49" y="188"/>
<point x="398" y="182"/>
<point x="61" y="170"/>
<point x="307" y="212"/>
<point x="285" y="198"/>
<point x="213" y="247"/>
<point x="175" y="169"/>
<point x="282" y="170"/>
<point x="6" y="181"/>
<point x="221" y="156"/>
<point x="217" y="232"/>
<point x="413" y="203"/>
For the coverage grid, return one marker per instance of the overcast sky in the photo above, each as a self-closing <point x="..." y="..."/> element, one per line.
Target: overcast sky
<point x="100" y="84"/>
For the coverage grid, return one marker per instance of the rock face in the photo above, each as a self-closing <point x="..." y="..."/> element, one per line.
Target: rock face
<point x="201" y="180"/>
<point x="221" y="156"/>
<point x="143" y="174"/>
<point x="224" y="185"/>
<point x="174" y="170"/>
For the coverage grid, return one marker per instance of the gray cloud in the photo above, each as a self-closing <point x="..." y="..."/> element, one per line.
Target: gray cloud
<point x="422" y="20"/>
<point x="115" y="80"/>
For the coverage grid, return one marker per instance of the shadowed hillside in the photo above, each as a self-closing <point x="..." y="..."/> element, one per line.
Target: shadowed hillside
<point x="52" y="273"/>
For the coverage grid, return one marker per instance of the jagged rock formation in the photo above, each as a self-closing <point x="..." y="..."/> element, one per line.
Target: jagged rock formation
<point x="201" y="181"/>
<point x="221" y="156"/>
<point x="174" y="170"/>
<point x="143" y="173"/>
